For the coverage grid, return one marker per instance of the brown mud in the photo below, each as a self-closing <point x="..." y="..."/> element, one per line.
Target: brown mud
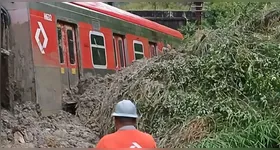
<point x="95" y="97"/>
<point x="27" y="129"/>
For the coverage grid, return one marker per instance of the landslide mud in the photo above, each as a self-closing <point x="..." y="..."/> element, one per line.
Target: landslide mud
<point x="95" y="97"/>
<point x="27" y="129"/>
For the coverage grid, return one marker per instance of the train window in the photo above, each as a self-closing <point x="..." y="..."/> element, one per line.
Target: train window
<point x="115" y="52"/>
<point x="98" y="49"/>
<point x="71" y="46"/>
<point x="138" y="50"/>
<point x="60" y="49"/>
<point x="120" y="43"/>
<point x="153" y="50"/>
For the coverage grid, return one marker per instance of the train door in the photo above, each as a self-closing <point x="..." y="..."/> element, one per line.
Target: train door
<point x="116" y="54"/>
<point x="67" y="49"/>
<point x="153" y="49"/>
<point x="119" y="51"/>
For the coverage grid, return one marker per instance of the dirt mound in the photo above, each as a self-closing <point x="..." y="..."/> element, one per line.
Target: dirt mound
<point x="28" y="129"/>
<point x="229" y="76"/>
<point x="143" y="80"/>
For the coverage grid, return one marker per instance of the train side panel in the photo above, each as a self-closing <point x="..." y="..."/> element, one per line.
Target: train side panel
<point x="44" y="43"/>
<point x="46" y="61"/>
<point x="84" y="29"/>
<point x="133" y="42"/>
<point x="105" y="62"/>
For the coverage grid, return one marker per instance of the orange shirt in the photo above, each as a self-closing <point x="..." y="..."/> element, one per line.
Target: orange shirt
<point x="127" y="138"/>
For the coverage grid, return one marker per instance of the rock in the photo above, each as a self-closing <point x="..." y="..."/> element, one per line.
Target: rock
<point x="18" y="137"/>
<point x="60" y="133"/>
<point x="28" y="136"/>
<point x="23" y="145"/>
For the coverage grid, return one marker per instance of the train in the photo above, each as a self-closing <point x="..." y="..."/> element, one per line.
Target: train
<point x="51" y="45"/>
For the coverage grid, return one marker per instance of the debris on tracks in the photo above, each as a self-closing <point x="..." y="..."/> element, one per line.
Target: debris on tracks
<point x="27" y="129"/>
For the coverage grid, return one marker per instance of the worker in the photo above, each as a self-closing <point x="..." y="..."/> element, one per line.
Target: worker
<point x="126" y="136"/>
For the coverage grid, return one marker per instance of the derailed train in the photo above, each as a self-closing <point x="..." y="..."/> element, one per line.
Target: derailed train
<point x="51" y="45"/>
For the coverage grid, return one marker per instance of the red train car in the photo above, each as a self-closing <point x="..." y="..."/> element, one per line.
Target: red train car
<point x="54" y="44"/>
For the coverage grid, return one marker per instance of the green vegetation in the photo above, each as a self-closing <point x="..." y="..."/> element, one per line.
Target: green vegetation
<point x="220" y="91"/>
<point x="224" y="93"/>
<point x="155" y="6"/>
<point x="229" y="78"/>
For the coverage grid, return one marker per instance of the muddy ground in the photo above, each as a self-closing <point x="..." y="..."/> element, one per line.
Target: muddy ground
<point x="26" y="129"/>
<point x="95" y="97"/>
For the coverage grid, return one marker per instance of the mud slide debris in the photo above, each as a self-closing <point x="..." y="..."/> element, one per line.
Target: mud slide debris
<point x="26" y="129"/>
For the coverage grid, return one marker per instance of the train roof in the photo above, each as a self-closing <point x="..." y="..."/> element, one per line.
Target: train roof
<point x="129" y="17"/>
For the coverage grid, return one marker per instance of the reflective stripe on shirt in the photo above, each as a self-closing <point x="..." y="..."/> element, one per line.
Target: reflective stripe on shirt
<point x="128" y="127"/>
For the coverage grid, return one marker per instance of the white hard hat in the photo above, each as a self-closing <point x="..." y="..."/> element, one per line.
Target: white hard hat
<point x="125" y="108"/>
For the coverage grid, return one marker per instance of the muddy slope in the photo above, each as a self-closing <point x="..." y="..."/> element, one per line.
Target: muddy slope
<point x="28" y="129"/>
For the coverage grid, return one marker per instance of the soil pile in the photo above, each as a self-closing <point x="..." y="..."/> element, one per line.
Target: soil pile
<point x="223" y="89"/>
<point x="143" y="81"/>
<point x="27" y="129"/>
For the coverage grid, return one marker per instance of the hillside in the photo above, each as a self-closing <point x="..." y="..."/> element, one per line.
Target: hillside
<point x="219" y="90"/>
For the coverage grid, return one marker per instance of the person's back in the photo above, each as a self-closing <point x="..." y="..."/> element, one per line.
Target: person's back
<point x="127" y="138"/>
